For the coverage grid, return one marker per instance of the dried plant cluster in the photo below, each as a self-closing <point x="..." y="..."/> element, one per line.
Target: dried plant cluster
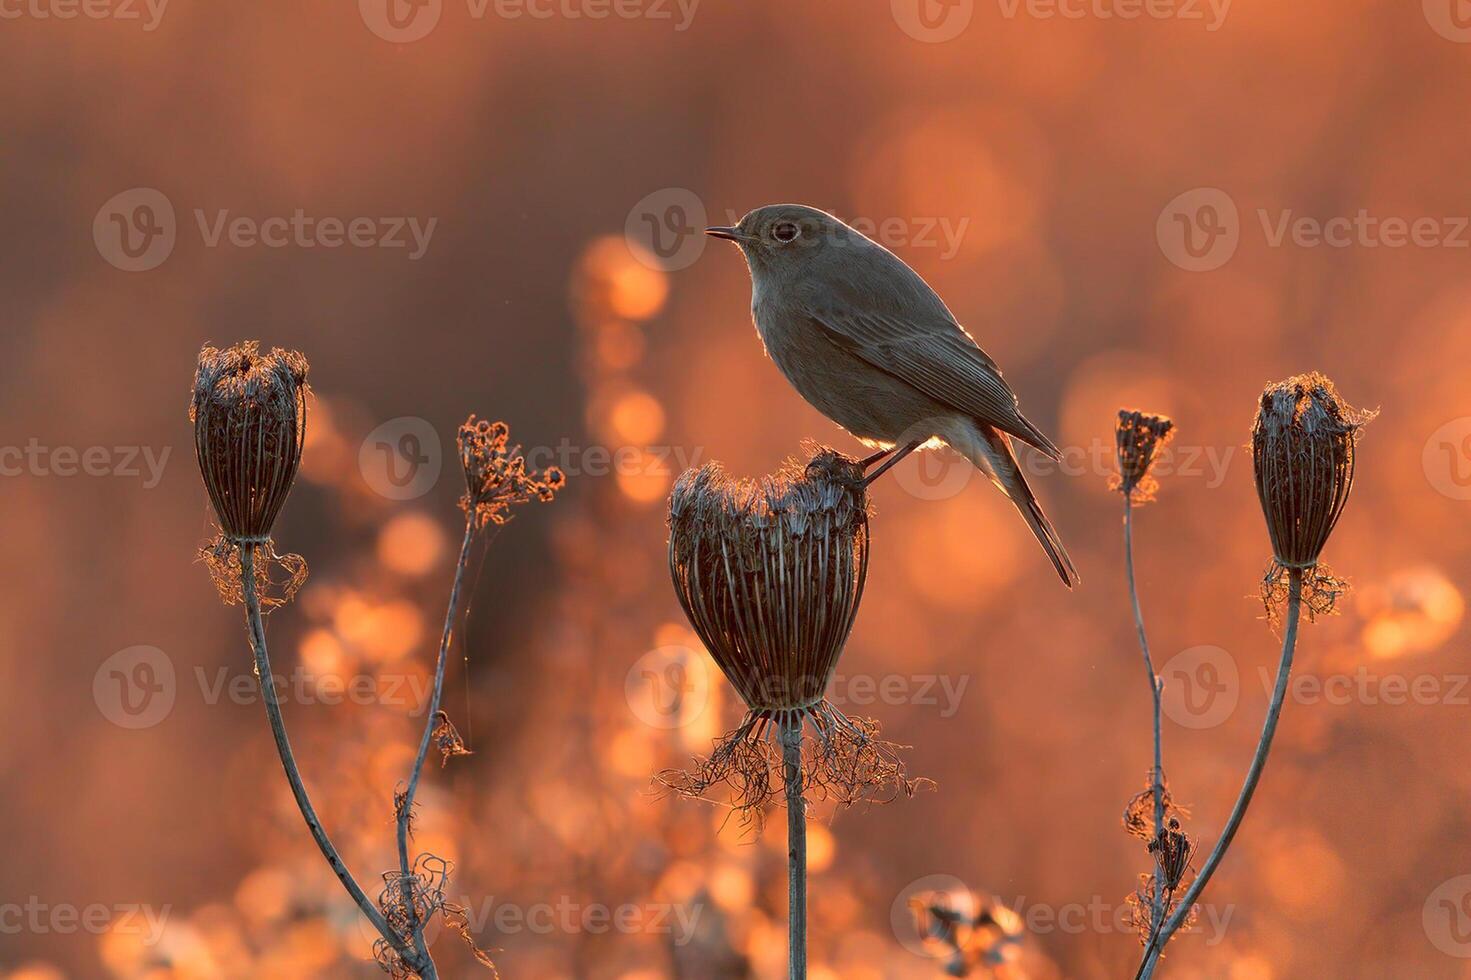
<point x="1138" y="437"/>
<point x="1302" y="447"/>
<point x="1154" y="817"/>
<point x="249" y="415"/>
<point x="496" y="477"/>
<point x="770" y="574"/>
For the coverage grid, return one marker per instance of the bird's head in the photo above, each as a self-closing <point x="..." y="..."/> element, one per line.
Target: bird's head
<point x="787" y="238"/>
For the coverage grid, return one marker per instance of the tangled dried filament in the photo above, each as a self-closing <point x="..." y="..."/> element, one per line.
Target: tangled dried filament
<point x="416" y="898"/>
<point x="844" y="762"/>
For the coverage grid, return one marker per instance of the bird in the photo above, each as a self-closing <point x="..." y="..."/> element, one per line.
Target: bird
<point x="866" y="341"/>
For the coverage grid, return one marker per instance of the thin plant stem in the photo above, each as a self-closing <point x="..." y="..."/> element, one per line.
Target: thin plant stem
<point x="791" y="757"/>
<point x="406" y="805"/>
<point x="1157" y="912"/>
<point x="293" y="774"/>
<point x="1253" y="776"/>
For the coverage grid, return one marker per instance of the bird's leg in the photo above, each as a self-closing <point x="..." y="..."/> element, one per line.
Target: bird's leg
<point x="888" y="463"/>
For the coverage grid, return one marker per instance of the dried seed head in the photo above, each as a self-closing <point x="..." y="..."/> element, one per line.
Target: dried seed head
<point x="1303" y="445"/>
<point x="249" y="415"/>
<point x="1138" y="437"/>
<point x="496" y="477"/>
<point x="770" y="574"/>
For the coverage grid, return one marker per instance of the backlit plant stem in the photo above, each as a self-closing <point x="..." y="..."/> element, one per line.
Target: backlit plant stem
<point x="791" y="756"/>
<point x="1156" y="918"/>
<point x="1253" y="776"/>
<point x="293" y="774"/>
<point x="406" y="806"/>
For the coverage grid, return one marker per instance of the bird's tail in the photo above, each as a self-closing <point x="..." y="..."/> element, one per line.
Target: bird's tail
<point x="989" y="449"/>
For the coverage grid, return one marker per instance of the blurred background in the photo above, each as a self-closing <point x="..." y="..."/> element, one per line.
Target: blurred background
<point x="457" y="207"/>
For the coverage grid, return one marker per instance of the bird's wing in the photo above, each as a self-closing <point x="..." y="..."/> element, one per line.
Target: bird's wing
<point x="934" y="354"/>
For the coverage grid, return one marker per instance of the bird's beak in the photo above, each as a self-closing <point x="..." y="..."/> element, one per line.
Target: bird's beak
<point x="719" y="231"/>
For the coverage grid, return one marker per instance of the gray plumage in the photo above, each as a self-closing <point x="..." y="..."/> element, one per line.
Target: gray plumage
<point x="867" y="342"/>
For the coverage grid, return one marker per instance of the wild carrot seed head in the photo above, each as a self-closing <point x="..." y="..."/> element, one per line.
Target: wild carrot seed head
<point x="1138" y="436"/>
<point x="496" y="475"/>
<point x="771" y="572"/>
<point x="249" y="415"/>
<point x="1303" y="445"/>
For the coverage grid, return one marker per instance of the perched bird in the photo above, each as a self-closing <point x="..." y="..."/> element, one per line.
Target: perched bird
<point x="867" y="342"/>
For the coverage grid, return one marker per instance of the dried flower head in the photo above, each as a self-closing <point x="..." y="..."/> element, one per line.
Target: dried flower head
<point x="770" y="574"/>
<point x="249" y="415"/>
<point x="1303" y="445"/>
<point x="1138" y="437"/>
<point x="496" y="477"/>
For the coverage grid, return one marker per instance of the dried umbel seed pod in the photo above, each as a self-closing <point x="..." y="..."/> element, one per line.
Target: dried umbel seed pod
<point x="1138" y="437"/>
<point x="1303" y="444"/>
<point x="771" y="574"/>
<point x="496" y="477"/>
<point x="249" y="415"/>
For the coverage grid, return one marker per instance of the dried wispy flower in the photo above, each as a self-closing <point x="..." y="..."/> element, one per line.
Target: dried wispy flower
<point x="1138" y="436"/>
<point x="770" y="574"/>
<point x="447" y="739"/>
<point x="1302" y="445"/>
<point x="496" y="477"/>
<point x="1154" y="817"/>
<point x="249" y="415"/>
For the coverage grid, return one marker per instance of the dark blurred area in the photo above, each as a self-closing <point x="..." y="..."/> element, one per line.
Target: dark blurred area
<point x="455" y="208"/>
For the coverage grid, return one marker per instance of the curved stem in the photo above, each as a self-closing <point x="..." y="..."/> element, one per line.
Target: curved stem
<point x="791" y="757"/>
<point x="1157" y="912"/>
<point x="293" y="774"/>
<point x="1253" y="776"/>
<point x="406" y="805"/>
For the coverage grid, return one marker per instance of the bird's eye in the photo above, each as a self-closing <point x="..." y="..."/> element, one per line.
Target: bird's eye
<point x="785" y="231"/>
